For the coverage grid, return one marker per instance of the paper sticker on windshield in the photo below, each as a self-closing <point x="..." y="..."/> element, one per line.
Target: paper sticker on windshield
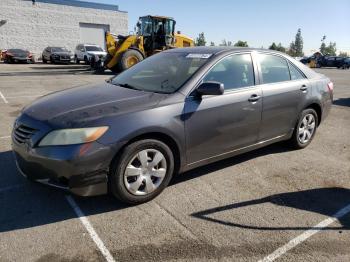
<point x="202" y="56"/>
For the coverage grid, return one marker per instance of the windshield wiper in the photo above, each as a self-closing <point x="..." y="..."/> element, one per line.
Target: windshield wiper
<point x="126" y="85"/>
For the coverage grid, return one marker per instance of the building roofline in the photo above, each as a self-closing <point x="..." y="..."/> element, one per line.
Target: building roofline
<point x="82" y="4"/>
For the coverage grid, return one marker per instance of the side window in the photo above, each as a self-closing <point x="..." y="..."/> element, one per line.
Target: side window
<point x="273" y="69"/>
<point x="295" y="74"/>
<point x="234" y="72"/>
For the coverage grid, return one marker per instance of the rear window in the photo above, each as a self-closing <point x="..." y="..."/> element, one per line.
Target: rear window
<point x="273" y="69"/>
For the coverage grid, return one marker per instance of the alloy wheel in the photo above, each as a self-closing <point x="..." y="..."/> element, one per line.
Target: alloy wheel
<point x="306" y="128"/>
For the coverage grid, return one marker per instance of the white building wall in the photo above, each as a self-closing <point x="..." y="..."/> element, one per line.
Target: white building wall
<point x="34" y="27"/>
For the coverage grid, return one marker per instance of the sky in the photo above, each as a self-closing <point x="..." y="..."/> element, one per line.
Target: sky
<point x="259" y="22"/>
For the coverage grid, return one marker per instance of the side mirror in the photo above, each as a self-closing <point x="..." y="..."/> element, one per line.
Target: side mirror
<point x="211" y="88"/>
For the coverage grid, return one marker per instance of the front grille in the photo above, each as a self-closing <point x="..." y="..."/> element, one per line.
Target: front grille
<point x="23" y="133"/>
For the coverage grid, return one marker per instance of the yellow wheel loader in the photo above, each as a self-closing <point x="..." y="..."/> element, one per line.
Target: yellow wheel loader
<point x="153" y="35"/>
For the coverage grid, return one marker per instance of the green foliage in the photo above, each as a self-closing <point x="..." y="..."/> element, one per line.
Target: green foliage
<point x="200" y="40"/>
<point x="278" y="47"/>
<point x="273" y="46"/>
<point x="323" y="48"/>
<point x="296" y="47"/>
<point x="241" y="43"/>
<point x="331" y="49"/>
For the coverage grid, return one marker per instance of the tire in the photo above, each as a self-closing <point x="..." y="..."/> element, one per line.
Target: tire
<point x="301" y="131"/>
<point x="133" y="189"/>
<point x="86" y="60"/>
<point x="44" y="60"/>
<point x="76" y="60"/>
<point x="51" y="60"/>
<point x="129" y="58"/>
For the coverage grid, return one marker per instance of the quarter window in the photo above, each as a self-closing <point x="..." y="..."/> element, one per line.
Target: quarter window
<point x="273" y="69"/>
<point x="235" y="71"/>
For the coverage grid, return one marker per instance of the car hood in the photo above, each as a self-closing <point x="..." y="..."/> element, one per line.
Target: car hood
<point x="61" y="53"/>
<point x="76" y="106"/>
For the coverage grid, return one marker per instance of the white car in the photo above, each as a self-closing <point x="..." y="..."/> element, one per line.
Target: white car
<point x="84" y="52"/>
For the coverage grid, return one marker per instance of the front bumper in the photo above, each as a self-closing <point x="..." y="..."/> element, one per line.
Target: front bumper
<point x="81" y="169"/>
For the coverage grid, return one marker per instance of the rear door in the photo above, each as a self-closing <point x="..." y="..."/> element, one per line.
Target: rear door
<point x="285" y="89"/>
<point x="216" y="125"/>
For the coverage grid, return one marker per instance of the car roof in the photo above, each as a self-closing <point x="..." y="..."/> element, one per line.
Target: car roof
<point x="214" y="49"/>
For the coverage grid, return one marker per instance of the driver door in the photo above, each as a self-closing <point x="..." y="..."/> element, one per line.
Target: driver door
<point x="216" y="125"/>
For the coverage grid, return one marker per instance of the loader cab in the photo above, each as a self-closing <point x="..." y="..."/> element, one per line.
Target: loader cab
<point x="157" y="33"/>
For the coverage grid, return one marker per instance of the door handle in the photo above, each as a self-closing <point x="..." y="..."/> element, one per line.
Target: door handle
<point x="303" y="88"/>
<point x="254" y="98"/>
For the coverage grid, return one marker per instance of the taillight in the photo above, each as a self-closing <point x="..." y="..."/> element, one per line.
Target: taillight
<point x="330" y="87"/>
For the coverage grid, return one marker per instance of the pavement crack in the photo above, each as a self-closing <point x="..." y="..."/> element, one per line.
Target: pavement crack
<point x="177" y="221"/>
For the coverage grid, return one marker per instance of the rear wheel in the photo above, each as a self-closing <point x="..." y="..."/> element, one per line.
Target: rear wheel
<point x="305" y="129"/>
<point x="129" y="58"/>
<point x="142" y="171"/>
<point x="86" y="60"/>
<point x="44" y="60"/>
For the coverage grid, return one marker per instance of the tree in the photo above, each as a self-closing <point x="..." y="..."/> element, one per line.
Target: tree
<point x="292" y="50"/>
<point x="200" y="40"/>
<point x="281" y="48"/>
<point x="323" y="45"/>
<point x="299" y="44"/>
<point x="273" y="46"/>
<point x="323" y="48"/>
<point x="296" y="47"/>
<point x="241" y="43"/>
<point x="223" y="42"/>
<point x="212" y="44"/>
<point x="331" y="49"/>
<point x="343" y="54"/>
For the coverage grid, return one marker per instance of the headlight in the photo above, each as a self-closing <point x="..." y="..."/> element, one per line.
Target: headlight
<point x="73" y="136"/>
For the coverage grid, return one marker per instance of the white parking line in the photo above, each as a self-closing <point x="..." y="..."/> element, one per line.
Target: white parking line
<point x="3" y="98"/>
<point x="307" y="234"/>
<point x="5" y="137"/>
<point x="10" y="188"/>
<point x="105" y="252"/>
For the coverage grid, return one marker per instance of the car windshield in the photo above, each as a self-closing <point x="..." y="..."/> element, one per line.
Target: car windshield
<point x="16" y="51"/>
<point x="161" y="73"/>
<point x="59" y="49"/>
<point x="93" y="48"/>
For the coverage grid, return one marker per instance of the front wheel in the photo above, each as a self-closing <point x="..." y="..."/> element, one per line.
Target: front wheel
<point x="129" y="58"/>
<point x="305" y="129"/>
<point x="142" y="171"/>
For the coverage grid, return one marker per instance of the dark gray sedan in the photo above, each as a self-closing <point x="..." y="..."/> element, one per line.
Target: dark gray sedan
<point x="56" y="55"/>
<point x="174" y="111"/>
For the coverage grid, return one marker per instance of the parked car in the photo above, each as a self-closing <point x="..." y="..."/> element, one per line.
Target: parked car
<point x="331" y="61"/>
<point x="172" y="112"/>
<point x="56" y="55"/>
<point x="346" y="63"/>
<point x="84" y="52"/>
<point x="17" y="56"/>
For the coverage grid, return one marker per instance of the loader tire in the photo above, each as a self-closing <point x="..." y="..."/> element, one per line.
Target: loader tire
<point x="129" y="58"/>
